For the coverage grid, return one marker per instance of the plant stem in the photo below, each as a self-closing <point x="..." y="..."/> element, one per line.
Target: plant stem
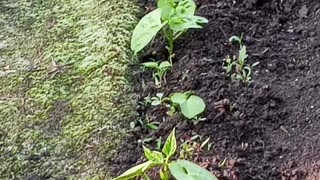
<point x="146" y="176"/>
<point x="170" y="43"/>
<point x="169" y="34"/>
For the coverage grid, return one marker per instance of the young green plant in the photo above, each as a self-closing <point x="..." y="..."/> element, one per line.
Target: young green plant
<point x="194" y="146"/>
<point x="237" y="67"/>
<point x="190" y="105"/>
<point x="179" y="169"/>
<point x="160" y="70"/>
<point x="172" y="17"/>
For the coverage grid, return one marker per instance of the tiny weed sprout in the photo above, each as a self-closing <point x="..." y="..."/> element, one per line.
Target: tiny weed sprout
<point x="160" y="70"/>
<point x="172" y="18"/>
<point x="147" y="124"/>
<point x="179" y="169"/>
<point x="155" y="101"/>
<point x="236" y="67"/>
<point x="193" y="146"/>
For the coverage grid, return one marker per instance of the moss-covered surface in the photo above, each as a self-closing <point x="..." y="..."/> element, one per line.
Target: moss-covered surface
<point x="64" y="95"/>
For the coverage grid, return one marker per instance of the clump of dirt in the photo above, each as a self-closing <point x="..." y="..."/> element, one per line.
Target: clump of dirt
<point x="273" y="129"/>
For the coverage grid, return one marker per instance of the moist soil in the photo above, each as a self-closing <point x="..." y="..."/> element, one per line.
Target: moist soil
<point x="272" y="130"/>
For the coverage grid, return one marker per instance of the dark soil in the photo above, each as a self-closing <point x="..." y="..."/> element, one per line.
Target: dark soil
<point x="273" y="131"/>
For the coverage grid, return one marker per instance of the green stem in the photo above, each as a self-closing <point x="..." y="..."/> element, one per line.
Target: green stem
<point x="146" y="176"/>
<point x="170" y="38"/>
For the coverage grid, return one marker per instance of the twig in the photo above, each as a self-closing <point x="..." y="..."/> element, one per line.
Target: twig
<point x="223" y="33"/>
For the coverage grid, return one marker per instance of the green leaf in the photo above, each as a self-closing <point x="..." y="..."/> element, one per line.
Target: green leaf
<point x="135" y="171"/>
<point x="235" y="39"/>
<point x="154" y="156"/>
<point x="186" y="7"/>
<point x="170" y="145"/>
<point x="200" y="20"/>
<point x="178" y="98"/>
<point x="166" y="6"/>
<point x="255" y="64"/>
<point x="186" y="170"/>
<point x="192" y="107"/>
<point x="146" y="30"/>
<point x="243" y="53"/>
<point x="180" y="23"/>
<point x="155" y="102"/>
<point x="165" y="64"/>
<point x="152" y="65"/>
<point x="153" y="125"/>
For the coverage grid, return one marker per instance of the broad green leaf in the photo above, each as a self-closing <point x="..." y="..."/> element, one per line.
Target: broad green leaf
<point x="186" y="170"/>
<point x="186" y="7"/>
<point x="166" y="6"/>
<point x="181" y="23"/>
<point x="146" y="30"/>
<point x="192" y="107"/>
<point x="243" y="53"/>
<point x="154" y="156"/>
<point x="170" y="145"/>
<point x="165" y="64"/>
<point x="152" y="65"/>
<point x="178" y="98"/>
<point x="135" y="171"/>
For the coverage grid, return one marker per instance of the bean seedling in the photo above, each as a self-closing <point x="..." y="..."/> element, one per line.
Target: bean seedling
<point x="172" y="17"/>
<point x="236" y="67"/>
<point x="187" y="103"/>
<point x="179" y="169"/>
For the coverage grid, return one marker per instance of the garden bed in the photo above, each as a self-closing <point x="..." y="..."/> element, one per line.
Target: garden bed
<point x="272" y="130"/>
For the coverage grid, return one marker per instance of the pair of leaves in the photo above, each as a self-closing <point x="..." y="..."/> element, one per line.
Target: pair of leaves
<point x="190" y="106"/>
<point x="180" y="16"/>
<point x="170" y="8"/>
<point x="183" y="18"/>
<point x="156" y="65"/>
<point x="154" y="158"/>
<point x="168" y="150"/>
<point x="180" y="169"/>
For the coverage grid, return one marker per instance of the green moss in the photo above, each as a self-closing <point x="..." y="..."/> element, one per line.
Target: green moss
<point x="63" y="64"/>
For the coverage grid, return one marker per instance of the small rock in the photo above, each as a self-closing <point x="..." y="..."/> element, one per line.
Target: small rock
<point x="33" y="176"/>
<point x="232" y="162"/>
<point x="241" y="161"/>
<point x="290" y="66"/>
<point x="225" y="173"/>
<point x="2" y="45"/>
<point x="303" y="11"/>
<point x="274" y="171"/>
<point x="312" y="33"/>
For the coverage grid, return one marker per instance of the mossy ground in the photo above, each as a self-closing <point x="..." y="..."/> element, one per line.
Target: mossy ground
<point x="64" y="95"/>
